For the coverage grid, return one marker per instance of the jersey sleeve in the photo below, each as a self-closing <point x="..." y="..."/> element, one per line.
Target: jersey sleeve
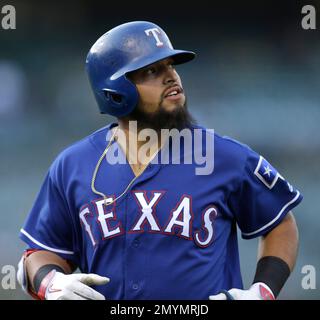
<point x="264" y="197"/>
<point x="49" y="224"/>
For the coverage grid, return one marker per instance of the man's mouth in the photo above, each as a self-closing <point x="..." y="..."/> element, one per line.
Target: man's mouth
<point x="173" y="93"/>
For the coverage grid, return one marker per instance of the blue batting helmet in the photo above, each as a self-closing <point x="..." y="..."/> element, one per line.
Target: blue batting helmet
<point x="124" y="49"/>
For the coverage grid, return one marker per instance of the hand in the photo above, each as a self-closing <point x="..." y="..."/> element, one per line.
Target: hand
<point x="258" y="291"/>
<point x="59" y="286"/>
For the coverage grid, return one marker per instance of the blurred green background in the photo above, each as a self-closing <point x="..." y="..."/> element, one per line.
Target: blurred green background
<point x="256" y="79"/>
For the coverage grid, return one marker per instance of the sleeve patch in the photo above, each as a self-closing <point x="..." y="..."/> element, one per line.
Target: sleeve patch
<point x="266" y="173"/>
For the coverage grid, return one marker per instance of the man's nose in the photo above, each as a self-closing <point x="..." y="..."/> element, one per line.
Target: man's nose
<point x="170" y="76"/>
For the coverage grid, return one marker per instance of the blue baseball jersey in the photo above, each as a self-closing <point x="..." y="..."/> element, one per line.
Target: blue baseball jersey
<point x="173" y="234"/>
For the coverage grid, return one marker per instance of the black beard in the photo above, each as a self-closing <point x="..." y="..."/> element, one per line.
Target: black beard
<point x="179" y="118"/>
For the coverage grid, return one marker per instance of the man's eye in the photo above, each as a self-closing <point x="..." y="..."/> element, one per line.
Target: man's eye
<point x="150" y="71"/>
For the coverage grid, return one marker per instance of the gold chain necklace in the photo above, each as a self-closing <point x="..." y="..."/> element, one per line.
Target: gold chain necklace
<point x="94" y="176"/>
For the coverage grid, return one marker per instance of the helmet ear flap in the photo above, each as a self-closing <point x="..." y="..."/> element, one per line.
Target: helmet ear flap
<point x="113" y="97"/>
<point x="117" y="102"/>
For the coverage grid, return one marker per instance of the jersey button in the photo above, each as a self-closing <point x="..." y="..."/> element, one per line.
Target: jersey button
<point x="136" y="243"/>
<point x="135" y="286"/>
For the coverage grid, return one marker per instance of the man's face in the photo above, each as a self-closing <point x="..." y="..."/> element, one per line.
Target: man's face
<point x="162" y="103"/>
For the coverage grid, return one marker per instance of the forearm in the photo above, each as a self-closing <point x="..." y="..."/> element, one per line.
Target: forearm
<point x="40" y="258"/>
<point x="277" y="255"/>
<point x="281" y="242"/>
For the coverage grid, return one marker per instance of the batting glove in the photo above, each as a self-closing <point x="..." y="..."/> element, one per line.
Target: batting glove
<point x="58" y="286"/>
<point x="258" y="291"/>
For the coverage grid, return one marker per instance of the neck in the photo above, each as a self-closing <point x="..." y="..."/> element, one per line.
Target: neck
<point x="131" y="139"/>
<point x="131" y="129"/>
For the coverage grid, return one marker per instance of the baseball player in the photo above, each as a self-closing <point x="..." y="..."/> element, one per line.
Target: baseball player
<point x="145" y="229"/>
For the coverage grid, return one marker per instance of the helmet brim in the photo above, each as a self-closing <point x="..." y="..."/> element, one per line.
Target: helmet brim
<point x="181" y="56"/>
<point x="178" y="56"/>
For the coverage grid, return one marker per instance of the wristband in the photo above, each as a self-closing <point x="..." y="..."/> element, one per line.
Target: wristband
<point x="272" y="271"/>
<point x="41" y="274"/>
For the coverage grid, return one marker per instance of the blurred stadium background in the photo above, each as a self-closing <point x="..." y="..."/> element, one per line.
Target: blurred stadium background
<point x="256" y="79"/>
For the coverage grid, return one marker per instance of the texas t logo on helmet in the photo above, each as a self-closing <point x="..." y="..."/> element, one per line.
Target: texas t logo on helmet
<point x="154" y="32"/>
